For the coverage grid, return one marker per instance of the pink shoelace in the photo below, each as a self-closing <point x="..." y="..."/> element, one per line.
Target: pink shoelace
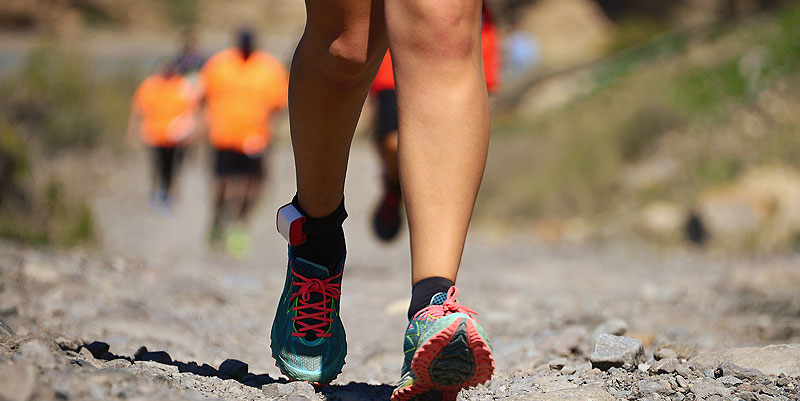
<point x="450" y="305"/>
<point x="319" y="311"/>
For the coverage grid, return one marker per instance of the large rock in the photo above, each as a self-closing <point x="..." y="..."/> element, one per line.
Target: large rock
<point x="762" y="203"/>
<point x="612" y="351"/>
<point x="772" y="359"/>
<point x="571" y="394"/>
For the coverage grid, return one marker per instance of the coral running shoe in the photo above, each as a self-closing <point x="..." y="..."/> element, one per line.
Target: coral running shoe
<point x="446" y="350"/>
<point x="308" y="339"/>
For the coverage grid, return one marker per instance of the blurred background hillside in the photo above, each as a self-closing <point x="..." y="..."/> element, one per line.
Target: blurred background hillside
<point x="672" y="121"/>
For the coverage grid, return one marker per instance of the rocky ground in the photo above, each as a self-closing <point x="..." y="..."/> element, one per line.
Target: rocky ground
<point x="151" y="314"/>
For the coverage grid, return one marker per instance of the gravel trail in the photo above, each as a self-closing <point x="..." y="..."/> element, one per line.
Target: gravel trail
<point x="153" y="283"/>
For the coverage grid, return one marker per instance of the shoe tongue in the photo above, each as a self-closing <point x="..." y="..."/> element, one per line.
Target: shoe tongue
<point x="438" y="298"/>
<point x="309" y="269"/>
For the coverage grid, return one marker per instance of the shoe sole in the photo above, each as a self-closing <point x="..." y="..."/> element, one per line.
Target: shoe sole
<point x="455" y="358"/>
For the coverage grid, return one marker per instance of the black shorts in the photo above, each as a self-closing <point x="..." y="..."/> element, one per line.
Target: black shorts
<point x="229" y="162"/>
<point x="387" y="113"/>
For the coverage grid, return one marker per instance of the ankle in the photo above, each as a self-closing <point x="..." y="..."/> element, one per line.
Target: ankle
<point x="325" y="244"/>
<point x="424" y="290"/>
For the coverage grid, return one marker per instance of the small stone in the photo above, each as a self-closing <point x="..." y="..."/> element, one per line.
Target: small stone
<point x="232" y="369"/>
<point x="729" y="381"/>
<point x="643" y="367"/>
<point x="616" y="351"/>
<point x="86" y="354"/>
<point x="729" y="369"/>
<point x="664" y="353"/>
<point x="97" y="348"/>
<point x="69" y="344"/>
<point x="557" y="364"/>
<point x="718" y="373"/>
<point x="117" y="363"/>
<point x="568" y="370"/>
<point x="706" y="387"/>
<point x="682" y="351"/>
<point x="682" y="382"/>
<point x="684" y="371"/>
<point x="649" y="386"/>
<point x="667" y="365"/>
<point x="708" y="373"/>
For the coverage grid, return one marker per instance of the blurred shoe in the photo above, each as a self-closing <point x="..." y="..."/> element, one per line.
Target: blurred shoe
<point x="308" y="338"/>
<point x="446" y="350"/>
<point x="237" y="241"/>
<point x="161" y="202"/>
<point x="386" y="218"/>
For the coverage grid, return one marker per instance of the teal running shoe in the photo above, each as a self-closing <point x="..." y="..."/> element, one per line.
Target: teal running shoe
<point x="446" y="350"/>
<point x="308" y="339"/>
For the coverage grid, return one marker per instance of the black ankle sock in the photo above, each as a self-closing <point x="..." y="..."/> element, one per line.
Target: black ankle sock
<point x="422" y="292"/>
<point x="324" y="237"/>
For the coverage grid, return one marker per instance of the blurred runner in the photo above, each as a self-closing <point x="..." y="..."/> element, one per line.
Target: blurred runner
<point x="243" y="88"/>
<point x="163" y="113"/>
<point x="386" y="218"/>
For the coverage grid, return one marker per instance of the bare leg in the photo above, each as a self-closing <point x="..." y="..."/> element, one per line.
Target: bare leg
<point x="444" y="125"/>
<point x="335" y="62"/>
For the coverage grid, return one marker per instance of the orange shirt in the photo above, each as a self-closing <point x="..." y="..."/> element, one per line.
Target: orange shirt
<point x="491" y="63"/>
<point x="166" y="106"/>
<point x="241" y="95"/>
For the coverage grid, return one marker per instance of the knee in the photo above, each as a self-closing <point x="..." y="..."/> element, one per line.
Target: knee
<point x="440" y="29"/>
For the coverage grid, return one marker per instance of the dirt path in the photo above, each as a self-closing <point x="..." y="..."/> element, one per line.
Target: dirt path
<point x="155" y="284"/>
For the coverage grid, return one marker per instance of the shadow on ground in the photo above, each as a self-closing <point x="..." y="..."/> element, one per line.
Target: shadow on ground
<point x="232" y="369"/>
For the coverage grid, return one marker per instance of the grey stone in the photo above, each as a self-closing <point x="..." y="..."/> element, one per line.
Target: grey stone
<point x="772" y="359"/>
<point x="667" y="365"/>
<point x="664" y="353"/>
<point x="557" y="364"/>
<point x="729" y="369"/>
<point x="684" y="371"/>
<point x="649" y="386"/>
<point x="729" y="381"/>
<point x="568" y="370"/>
<point x="232" y="369"/>
<point x="69" y="344"/>
<point x="682" y="351"/>
<point x="617" y="351"/>
<point x="707" y="387"/>
<point x="17" y="381"/>
<point x="681" y="381"/>
<point x="117" y="363"/>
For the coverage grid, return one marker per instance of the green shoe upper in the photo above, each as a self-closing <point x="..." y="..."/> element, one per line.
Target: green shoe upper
<point x="308" y="339"/>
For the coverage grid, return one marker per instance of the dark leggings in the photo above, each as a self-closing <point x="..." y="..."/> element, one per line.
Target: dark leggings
<point x="166" y="161"/>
